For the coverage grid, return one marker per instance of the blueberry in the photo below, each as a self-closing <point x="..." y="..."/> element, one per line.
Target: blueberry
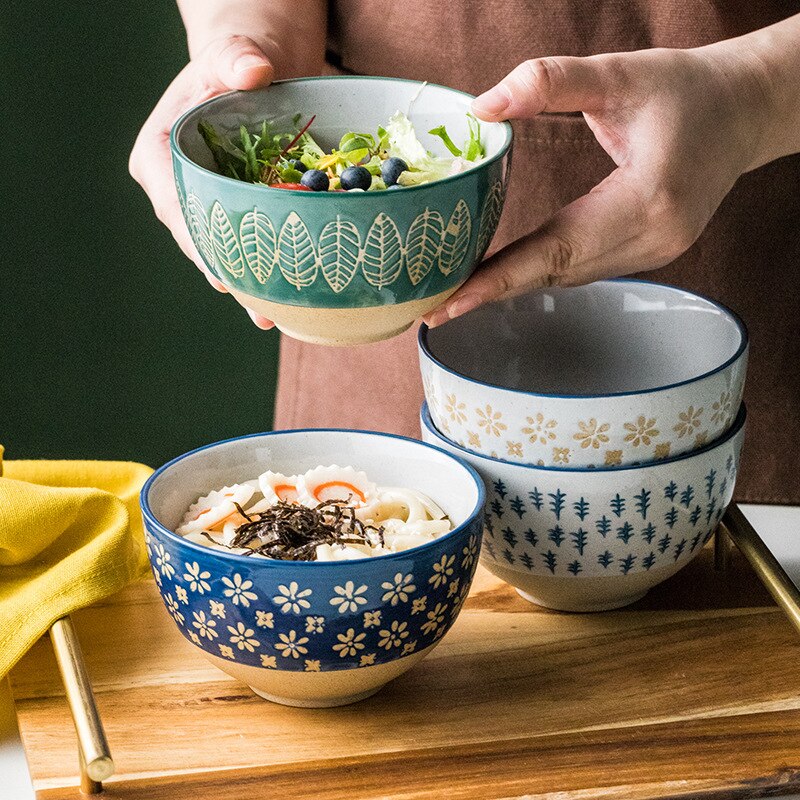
<point x="356" y="178"/>
<point x="297" y="164"/>
<point x="316" y="180"/>
<point x="391" y="169"/>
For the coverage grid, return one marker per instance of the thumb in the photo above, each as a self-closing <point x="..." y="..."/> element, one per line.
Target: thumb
<point x="559" y="84"/>
<point x="235" y="62"/>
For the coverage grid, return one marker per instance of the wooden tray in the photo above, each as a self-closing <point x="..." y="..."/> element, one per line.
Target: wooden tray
<point x="692" y="692"/>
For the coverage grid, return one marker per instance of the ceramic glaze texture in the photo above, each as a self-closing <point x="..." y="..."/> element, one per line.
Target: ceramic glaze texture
<point x="307" y="617"/>
<point x="587" y="539"/>
<point x="341" y="251"/>
<point x="618" y="372"/>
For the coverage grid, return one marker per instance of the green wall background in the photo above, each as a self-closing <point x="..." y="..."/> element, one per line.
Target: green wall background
<point x="112" y="345"/>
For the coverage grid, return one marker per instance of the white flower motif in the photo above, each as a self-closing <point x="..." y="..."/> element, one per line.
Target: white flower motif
<point x="372" y="619"/>
<point x="409" y="647"/>
<point x="180" y="593"/>
<point x="435" y="618"/>
<point x="442" y="570"/>
<point x="470" y="552"/>
<point x="349" y="643"/>
<point x="400" y="589"/>
<point x="367" y="660"/>
<point x="217" y="609"/>
<point x="265" y="619"/>
<point x="290" y="645"/>
<point x="239" y="590"/>
<point x="226" y="651"/>
<point x="315" y="624"/>
<point x="174" y="609"/>
<point x="291" y="598"/>
<point x="242" y="637"/>
<point x="453" y="588"/>
<point x="312" y="665"/>
<point x="394" y="636"/>
<point x="194" y="637"/>
<point x="162" y="561"/>
<point x="197" y="578"/>
<point x="418" y="604"/>
<point x="348" y="597"/>
<point x="205" y="626"/>
<point x="268" y="661"/>
<point x="157" y="579"/>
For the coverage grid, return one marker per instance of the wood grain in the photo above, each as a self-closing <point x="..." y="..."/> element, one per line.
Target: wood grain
<point x="693" y="692"/>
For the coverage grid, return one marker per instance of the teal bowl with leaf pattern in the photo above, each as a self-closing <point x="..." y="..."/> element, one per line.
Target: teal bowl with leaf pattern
<point x="341" y="268"/>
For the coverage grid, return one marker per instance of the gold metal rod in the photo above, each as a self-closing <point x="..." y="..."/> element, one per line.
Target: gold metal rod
<point x="764" y="564"/>
<point x="88" y="785"/>
<point x="91" y="736"/>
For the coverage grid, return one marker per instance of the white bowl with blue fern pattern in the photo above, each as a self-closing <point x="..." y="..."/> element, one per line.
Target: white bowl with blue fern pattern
<point x="595" y="539"/>
<point x="341" y="268"/>
<point x="314" y="634"/>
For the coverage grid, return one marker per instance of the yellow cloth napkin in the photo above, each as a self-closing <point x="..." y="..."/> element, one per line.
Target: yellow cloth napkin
<point x="70" y="534"/>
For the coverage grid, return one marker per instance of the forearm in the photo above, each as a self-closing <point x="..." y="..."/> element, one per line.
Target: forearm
<point x="291" y="33"/>
<point x="771" y="57"/>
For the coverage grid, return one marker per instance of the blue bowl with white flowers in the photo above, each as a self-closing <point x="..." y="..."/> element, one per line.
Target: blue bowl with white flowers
<point x="314" y="634"/>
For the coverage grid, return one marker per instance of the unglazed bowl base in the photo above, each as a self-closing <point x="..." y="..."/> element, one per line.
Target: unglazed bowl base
<point x="341" y="327"/>
<point x="579" y="606"/>
<point x="318" y="689"/>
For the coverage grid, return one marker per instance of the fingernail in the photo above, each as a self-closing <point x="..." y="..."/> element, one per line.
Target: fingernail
<point x="259" y="321"/>
<point x="248" y="61"/>
<point x="436" y="318"/>
<point x="493" y="102"/>
<point x="463" y="305"/>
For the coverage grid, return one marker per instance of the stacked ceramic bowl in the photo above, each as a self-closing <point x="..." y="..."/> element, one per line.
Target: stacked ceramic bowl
<point x="606" y="422"/>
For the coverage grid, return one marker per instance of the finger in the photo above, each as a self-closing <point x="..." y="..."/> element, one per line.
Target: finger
<point x="602" y="234"/>
<point x="260" y="322"/>
<point x="558" y="84"/>
<point x="235" y="62"/>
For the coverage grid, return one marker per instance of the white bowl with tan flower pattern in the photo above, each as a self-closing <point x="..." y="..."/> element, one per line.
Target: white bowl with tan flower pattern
<point x="616" y="373"/>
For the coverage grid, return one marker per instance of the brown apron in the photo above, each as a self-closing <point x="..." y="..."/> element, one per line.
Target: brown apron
<point x="748" y="258"/>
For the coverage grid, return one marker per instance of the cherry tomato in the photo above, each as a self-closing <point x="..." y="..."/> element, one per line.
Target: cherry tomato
<point x="298" y="186"/>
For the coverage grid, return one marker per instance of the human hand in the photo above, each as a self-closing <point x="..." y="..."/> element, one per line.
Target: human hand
<point x="229" y="62"/>
<point x="681" y="126"/>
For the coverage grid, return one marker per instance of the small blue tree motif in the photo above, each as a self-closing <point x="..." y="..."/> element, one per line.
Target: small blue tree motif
<point x="497" y="508"/>
<point x="649" y="560"/>
<point x="574" y="567"/>
<point x="728" y="464"/>
<point x="550" y="561"/>
<point x="581" y="508"/>
<point x="509" y="556"/>
<point x="536" y="498"/>
<point x="679" y="548"/>
<point x="671" y="517"/>
<point x="649" y="532"/>
<point x="722" y="487"/>
<point x="530" y="536"/>
<point x="604" y="559"/>
<point x="664" y="543"/>
<point x="526" y="560"/>
<point x="718" y="514"/>
<point x="488" y="524"/>
<point x="626" y="564"/>
<point x="490" y="548"/>
<point x="556" y="502"/>
<point x="671" y="490"/>
<point x="518" y="506"/>
<point x="708" y="535"/>
<point x="556" y="535"/>
<point x="696" y="541"/>
<point x="642" y="502"/>
<point x="500" y="489"/>
<point x="710" y="478"/>
<point x="687" y="495"/>
<point x="603" y="526"/>
<point x="510" y="536"/>
<point x="712" y="507"/>
<point x="694" y="517"/>
<point x="617" y="504"/>
<point x="579" y="539"/>
<point x="625" y="532"/>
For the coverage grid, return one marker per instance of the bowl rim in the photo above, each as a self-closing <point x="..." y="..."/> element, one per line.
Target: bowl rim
<point x="424" y="348"/>
<point x="273" y="563"/>
<point x="178" y="125"/>
<point x="736" y="427"/>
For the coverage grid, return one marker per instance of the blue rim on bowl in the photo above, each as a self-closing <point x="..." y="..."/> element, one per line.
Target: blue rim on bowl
<point x="736" y="426"/>
<point x="178" y="125"/>
<point x="422" y="338"/>
<point x="267" y="563"/>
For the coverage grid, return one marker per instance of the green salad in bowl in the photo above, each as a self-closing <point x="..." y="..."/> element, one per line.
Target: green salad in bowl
<point x="342" y="208"/>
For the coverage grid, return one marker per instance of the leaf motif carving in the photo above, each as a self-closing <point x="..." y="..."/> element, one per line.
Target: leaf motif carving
<point x="257" y="235"/>
<point x="490" y="216"/>
<point x="223" y="239"/>
<point x="383" y="252"/>
<point x="198" y="228"/>
<point x="455" y="240"/>
<point x="296" y="256"/>
<point x="339" y="253"/>
<point x="423" y="243"/>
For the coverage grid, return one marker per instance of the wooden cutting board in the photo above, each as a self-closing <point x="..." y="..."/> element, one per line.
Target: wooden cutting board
<point x="692" y="692"/>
